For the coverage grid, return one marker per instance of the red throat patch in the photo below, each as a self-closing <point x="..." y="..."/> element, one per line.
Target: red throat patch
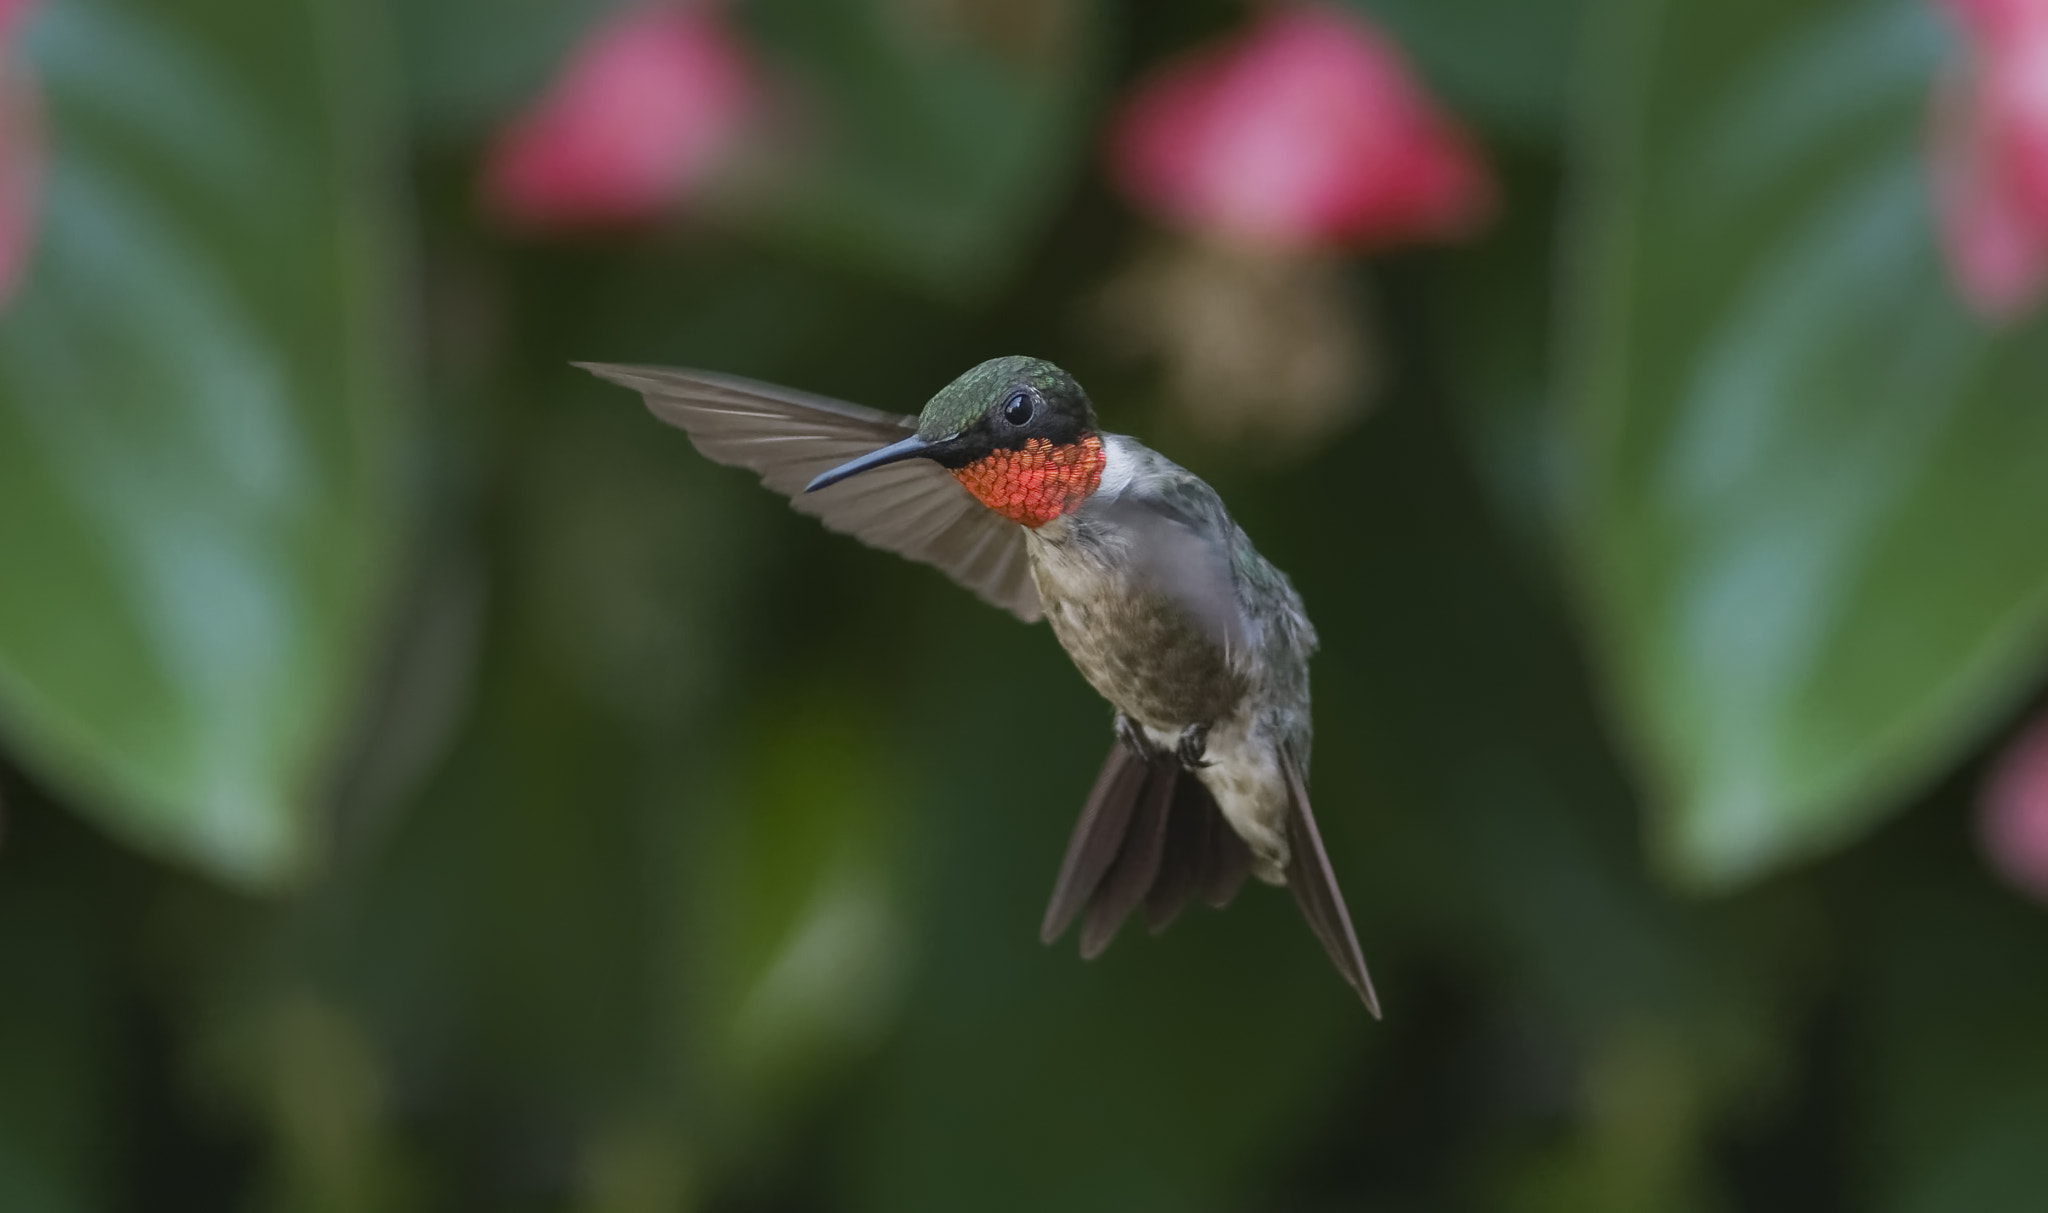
<point x="1038" y="482"/>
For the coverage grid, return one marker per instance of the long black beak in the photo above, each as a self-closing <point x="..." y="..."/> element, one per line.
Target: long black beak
<point x="895" y="452"/>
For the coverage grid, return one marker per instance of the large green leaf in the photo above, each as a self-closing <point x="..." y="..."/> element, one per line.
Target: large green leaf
<point x="198" y="421"/>
<point x="1813" y="485"/>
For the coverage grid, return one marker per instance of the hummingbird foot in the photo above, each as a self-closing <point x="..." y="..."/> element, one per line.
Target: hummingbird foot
<point x="1132" y="734"/>
<point x="1194" y="744"/>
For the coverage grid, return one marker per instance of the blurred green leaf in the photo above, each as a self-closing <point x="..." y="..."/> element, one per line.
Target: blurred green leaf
<point x="1504" y="63"/>
<point x="1813" y="485"/>
<point x="469" y="64"/>
<point x="322" y="1089"/>
<point x="805" y="947"/>
<point x="198" y="420"/>
<point x="930" y="139"/>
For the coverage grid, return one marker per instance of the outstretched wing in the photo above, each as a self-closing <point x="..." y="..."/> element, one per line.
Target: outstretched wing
<point x="914" y="508"/>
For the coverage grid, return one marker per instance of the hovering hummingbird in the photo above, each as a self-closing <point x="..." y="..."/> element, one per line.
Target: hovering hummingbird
<point x="1006" y="482"/>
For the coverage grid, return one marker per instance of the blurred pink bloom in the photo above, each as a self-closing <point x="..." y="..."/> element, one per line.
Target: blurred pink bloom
<point x="11" y="14"/>
<point x="2015" y="812"/>
<point x="1990" y="157"/>
<point x="21" y="152"/>
<point x="636" y="121"/>
<point x="1307" y="130"/>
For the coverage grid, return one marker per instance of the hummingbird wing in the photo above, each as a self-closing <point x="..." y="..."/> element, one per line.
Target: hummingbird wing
<point x="1315" y="889"/>
<point x="1177" y="536"/>
<point x="1190" y="569"/>
<point x="914" y="508"/>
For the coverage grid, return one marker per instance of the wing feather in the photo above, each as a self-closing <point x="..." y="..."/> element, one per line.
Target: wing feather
<point x="1184" y="562"/>
<point x="914" y="508"/>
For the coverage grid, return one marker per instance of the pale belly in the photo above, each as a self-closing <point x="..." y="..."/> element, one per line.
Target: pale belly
<point x="1144" y="657"/>
<point x="1148" y="660"/>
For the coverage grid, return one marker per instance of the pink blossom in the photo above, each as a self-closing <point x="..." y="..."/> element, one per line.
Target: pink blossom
<point x="12" y="13"/>
<point x="1990" y="157"/>
<point x="637" y="120"/>
<point x="21" y="152"/>
<point x="1306" y="130"/>
<point x="2014" y="822"/>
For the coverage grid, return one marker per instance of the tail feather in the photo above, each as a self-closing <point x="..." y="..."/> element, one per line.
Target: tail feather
<point x="1315" y="890"/>
<point x="1186" y="859"/>
<point x="1228" y="860"/>
<point x="1097" y="836"/>
<point x="1149" y="835"/>
<point x="1137" y="862"/>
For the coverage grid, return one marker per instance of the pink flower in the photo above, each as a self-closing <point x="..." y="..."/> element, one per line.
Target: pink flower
<point x="1307" y="130"/>
<point x="1990" y="157"/>
<point x="638" y="119"/>
<point x="2014" y="821"/>
<point x="21" y="152"/>
<point x="12" y="14"/>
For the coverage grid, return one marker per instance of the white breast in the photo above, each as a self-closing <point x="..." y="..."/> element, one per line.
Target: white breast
<point x="1118" y="466"/>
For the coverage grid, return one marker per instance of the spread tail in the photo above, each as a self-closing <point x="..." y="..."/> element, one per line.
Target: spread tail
<point x="1149" y="834"/>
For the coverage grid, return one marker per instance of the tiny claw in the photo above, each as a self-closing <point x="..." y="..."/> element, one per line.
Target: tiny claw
<point x="1128" y="732"/>
<point x="1194" y="743"/>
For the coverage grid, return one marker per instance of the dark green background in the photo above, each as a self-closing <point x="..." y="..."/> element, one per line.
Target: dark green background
<point x="430" y="785"/>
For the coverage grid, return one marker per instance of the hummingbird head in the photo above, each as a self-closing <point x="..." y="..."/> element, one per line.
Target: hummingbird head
<point x="1018" y="432"/>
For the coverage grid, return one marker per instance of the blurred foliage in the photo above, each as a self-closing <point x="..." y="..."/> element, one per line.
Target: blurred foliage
<point x="530" y="815"/>
<point x="1810" y="481"/>
<point x="204" y="421"/>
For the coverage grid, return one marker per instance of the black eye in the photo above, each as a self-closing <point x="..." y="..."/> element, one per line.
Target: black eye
<point x="1017" y="410"/>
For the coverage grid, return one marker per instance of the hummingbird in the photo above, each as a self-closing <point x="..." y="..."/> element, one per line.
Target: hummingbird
<point x="1006" y="482"/>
